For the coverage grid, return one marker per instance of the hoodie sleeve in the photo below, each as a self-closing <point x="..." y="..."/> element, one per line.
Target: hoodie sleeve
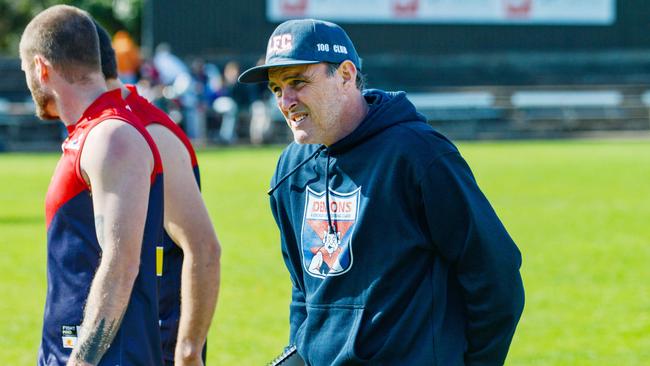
<point x="468" y="234"/>
<point x="297" y="309"/>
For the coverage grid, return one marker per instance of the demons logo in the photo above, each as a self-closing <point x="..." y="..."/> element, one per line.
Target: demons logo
<point x="326" y="253"/>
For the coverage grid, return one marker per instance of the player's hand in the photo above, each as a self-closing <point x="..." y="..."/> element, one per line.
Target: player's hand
<point x="196" y="362"/>
<point x="73" y="362"/>
<point x="187" y="355"/>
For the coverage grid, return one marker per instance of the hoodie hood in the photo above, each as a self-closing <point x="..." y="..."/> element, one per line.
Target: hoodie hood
<point x="385" y="110"/>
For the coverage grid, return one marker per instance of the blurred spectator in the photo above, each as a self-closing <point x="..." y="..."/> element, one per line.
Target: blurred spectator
<point x="168" y="65"/>
<point x="149" y="72"/>
<point x="208" y="83"/>
<point x="235" y="101"/>
<point x="180" y="86"/>
<point x="128" y="57"/>
<point x="260" y="126"/>
<point x="149" y="86"/>
<point x="209" y="80"/>
<point x="214" y="83"/>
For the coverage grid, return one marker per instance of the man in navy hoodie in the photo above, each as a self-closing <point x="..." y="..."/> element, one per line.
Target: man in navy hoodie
<point x="395" y="255"/>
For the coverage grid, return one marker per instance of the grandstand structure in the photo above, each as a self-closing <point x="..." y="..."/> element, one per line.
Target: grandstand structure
<point x="518" y="75"/>
<point x="20" y="130"/>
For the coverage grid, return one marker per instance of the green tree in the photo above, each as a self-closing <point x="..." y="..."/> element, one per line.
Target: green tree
<point x="112" y="14"/>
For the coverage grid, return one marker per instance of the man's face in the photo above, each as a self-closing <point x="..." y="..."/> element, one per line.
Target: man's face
<point x="310" y="100"/>
<point x="44" y="100"/>
<point x="331" y="242"/>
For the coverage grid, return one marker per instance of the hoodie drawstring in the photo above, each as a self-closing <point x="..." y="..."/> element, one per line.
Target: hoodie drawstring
<point x="327" y="195"/>
<point x="331" y="229"/>
<point x="286" y="176"/>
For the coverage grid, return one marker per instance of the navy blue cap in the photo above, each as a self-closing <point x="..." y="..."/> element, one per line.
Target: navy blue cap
<point x="303" y="42"/>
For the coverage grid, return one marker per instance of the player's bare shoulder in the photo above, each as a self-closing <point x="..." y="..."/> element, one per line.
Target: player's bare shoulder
<point x="114" y="143"/>
<point x="172" y="150"/>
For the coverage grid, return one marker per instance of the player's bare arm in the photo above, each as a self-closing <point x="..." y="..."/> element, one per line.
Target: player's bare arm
<point x="117" y="164"/>
<point x="187" y="222"/>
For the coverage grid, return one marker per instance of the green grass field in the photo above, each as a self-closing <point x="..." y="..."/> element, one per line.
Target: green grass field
<point x="579" y="211"/>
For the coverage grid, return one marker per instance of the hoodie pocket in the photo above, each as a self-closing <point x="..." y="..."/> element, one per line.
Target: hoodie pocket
<point x="328" y="334"/>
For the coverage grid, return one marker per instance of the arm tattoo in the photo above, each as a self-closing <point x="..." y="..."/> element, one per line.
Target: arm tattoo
<point x="95" y="345"/>
<point x="99" y="230"/>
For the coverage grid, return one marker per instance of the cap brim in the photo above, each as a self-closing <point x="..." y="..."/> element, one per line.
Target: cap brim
<point x="259" y="74"/>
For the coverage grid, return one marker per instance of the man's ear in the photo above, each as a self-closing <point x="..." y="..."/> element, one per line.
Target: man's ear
<point x="42" y="68"/>
<point x="348" y="72"/>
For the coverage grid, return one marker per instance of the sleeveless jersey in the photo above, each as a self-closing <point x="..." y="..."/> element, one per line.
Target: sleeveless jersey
<point x="170" y="259"/>
<point x="73" y="252"/>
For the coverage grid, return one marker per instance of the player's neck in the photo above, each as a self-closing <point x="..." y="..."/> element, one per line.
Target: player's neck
<point x="74" y="99"/>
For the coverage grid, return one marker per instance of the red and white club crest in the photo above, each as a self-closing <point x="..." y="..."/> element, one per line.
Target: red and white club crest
<point x="280" y="43"/>
<point x="328" y="252"/>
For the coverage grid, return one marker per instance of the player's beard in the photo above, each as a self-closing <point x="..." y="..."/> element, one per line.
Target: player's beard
<point x="43" y="100"/>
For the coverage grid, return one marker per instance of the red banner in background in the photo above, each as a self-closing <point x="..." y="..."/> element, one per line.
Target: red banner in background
<point x="405" y="8"/>
<point x="518" y="9"/>
<point x="294" y="7"/>
<point x="548" y="12"/>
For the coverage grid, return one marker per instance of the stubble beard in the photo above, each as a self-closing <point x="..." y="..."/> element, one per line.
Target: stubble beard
<point x="42" y="100"/>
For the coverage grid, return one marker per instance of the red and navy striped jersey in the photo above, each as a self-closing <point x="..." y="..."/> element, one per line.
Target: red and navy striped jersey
<point x="169" y="280"/>
<point x="73" y="252"/>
